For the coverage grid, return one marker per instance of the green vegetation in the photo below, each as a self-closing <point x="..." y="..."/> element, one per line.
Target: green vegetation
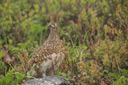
<point x="95" y="33"/>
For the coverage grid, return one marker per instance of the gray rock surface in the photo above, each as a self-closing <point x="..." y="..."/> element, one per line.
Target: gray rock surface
<point x="48" y="80"/>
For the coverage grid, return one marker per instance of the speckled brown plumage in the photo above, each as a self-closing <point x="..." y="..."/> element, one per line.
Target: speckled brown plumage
<point x="48" y="57"/>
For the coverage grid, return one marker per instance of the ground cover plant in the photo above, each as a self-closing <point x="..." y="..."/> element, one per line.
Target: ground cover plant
<point x="95" y="34"/>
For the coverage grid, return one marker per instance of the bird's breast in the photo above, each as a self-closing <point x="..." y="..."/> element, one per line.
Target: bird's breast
<point x="53" y="60"/>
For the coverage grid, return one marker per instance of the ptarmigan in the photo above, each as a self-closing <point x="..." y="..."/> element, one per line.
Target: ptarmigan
<point x="48" y="57"/>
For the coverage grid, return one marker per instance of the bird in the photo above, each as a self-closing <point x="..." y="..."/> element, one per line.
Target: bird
<point x="49" y="56"/>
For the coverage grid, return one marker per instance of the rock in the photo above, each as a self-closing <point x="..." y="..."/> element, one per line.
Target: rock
<point x="48" y="80"/>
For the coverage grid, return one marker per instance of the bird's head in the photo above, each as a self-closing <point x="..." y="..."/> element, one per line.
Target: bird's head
<point x="53" y="26"/>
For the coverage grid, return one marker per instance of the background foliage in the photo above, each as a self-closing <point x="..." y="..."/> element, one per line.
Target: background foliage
<point x="95" y="32"/>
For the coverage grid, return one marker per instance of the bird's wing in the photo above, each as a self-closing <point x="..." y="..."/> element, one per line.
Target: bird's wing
<point x="43" y="52"/>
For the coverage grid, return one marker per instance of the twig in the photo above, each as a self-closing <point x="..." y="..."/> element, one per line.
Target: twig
<point x="7" y="58"/>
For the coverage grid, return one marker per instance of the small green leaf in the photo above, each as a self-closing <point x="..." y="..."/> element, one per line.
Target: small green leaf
<point x="1" y="54"/>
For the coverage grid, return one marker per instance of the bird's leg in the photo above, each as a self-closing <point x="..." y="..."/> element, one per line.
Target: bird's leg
<point x="53" y="72"/>
<point x="44" y="74"/>
<point x="50" y="72"/>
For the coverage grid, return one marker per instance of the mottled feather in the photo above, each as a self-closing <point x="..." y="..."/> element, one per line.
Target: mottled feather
<point x="48" y="57"/>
